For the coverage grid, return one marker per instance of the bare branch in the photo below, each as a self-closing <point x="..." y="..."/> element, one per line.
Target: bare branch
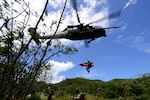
<point x="60" y="17"/>
<point x="41" y="17"/>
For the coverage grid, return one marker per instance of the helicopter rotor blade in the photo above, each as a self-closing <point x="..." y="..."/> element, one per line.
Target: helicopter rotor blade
<point x="111" y="16"/>
<point x="110" y="27"/>
<point x="74" y="2"/>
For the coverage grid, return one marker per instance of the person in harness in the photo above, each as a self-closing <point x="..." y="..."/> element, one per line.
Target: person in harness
<point x="88" y="65"/>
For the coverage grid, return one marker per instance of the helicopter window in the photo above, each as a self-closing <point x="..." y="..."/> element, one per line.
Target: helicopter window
<point x="97" y="27"/>
<point x="72" y="28"/>
<point x="75" y="28"/>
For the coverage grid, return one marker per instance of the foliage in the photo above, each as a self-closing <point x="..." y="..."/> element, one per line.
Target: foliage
<point x="128" y="89"/>
<point x="34" y="97"/>
<point x="22" y="55"/>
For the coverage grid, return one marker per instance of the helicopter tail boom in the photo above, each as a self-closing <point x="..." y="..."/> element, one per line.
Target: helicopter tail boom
<point x="56" y="36"/>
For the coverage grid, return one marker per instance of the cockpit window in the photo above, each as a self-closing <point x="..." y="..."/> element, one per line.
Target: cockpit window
<point x="97" y="27"/>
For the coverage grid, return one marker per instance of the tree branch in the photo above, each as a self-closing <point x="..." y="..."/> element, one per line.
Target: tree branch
<point x="60" y="18"/>
<point x="41" y="17"/>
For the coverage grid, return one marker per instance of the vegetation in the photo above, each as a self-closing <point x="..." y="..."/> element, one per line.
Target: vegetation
<point x="34" y="97"/>
<point x="116" y="89"/>
<point x="23" y="57"/>
<point x="128" y="89"/>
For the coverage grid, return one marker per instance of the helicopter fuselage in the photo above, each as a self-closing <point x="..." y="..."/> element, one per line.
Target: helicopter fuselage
<point x="76" y="33"/>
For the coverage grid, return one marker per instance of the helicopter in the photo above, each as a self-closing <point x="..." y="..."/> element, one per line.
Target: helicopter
<point x="81" y="31"/>
<point x="88" y="65"/>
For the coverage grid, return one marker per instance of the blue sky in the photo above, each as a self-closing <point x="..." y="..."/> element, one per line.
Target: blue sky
<point x="124" y="53"/>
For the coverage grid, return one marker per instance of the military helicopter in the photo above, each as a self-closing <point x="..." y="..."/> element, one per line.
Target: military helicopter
<point x="81" y="31"/>
<point x="88" y="65"/>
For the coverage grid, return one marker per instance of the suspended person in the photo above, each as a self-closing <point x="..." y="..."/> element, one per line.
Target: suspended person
<point x="89" y="66"/>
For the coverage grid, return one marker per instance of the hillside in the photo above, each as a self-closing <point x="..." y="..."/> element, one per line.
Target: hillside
<point x="84" y="85"/>
<point x="125" y="88"/>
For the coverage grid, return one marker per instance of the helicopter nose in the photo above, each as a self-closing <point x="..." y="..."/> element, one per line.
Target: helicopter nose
<point x="103" y="33"/>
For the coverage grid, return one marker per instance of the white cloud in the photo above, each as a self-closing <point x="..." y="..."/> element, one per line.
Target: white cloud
<point x="55" y="71"/>
<point x="76" y="43"/>
<point x="129" y="3"/>
<point x="138" y="41"/>
<point x="56" y="3"/>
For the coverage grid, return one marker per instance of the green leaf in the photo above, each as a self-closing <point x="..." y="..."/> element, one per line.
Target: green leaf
<point x="20" y="34"/>
<point x="8" y="66"/>
<point x="35" y="36"/>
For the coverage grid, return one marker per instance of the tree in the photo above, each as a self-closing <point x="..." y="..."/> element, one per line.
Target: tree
<point x="22" y="54"/>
